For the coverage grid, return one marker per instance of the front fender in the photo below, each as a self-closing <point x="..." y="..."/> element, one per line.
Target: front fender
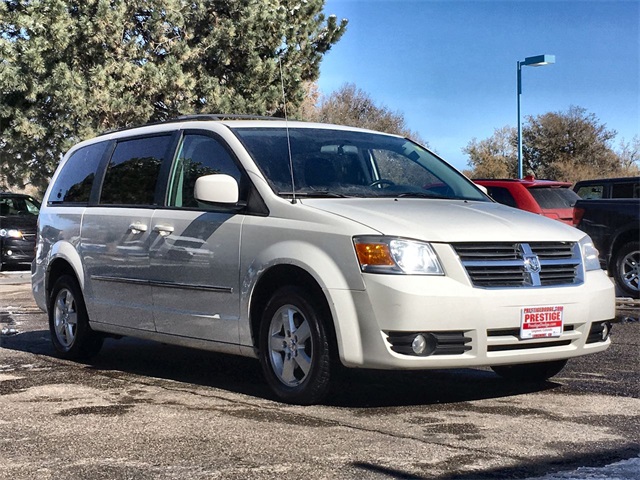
<point x="328" y="271"/>
<point x="336" y="273"/>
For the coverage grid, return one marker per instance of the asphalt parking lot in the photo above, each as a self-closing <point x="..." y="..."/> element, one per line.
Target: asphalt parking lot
<point x="143" y="410"/>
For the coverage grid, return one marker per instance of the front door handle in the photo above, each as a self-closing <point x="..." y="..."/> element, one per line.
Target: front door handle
<point x="163" y="230"/>
<point x="137" y="228"/>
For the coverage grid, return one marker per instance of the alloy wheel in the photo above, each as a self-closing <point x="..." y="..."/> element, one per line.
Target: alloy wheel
<point x="65" y="318"/>
<point x="290" y="345"/>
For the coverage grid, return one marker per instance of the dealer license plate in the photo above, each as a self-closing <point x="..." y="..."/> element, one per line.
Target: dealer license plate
<point x="541" y="322"/>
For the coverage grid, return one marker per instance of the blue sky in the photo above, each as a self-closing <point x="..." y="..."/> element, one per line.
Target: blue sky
<point x="449" y="66"/>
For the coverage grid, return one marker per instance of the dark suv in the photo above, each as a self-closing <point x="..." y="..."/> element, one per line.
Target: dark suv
<point x="18" y="219"/>
<point x="545" y="197"/>
<point x="625" y="187"/>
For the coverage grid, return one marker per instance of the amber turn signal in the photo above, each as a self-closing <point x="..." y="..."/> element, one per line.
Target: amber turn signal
<point x="374" y="254"/>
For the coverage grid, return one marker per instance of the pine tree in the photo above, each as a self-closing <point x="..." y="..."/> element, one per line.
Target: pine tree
<point x="72" y="69"/>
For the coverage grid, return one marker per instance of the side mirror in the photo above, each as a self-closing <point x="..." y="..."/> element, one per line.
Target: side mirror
<point x="218" y="188"/>
<point x="483" y="188"/>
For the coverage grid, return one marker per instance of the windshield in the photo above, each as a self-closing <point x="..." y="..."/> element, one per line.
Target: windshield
<point x="340" y="163"/>
<point x="18" y="206"/>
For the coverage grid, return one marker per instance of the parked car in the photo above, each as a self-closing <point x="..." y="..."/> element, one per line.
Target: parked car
<point x="18" y="218"/>
<point x="307" y="245"/>
<point x="550" y="198"/>
<point x="624" y="187"/>
<point x="614" y="226"/>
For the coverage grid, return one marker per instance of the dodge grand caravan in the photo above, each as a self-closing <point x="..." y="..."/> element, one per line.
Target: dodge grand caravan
<point x="308" y="246"/>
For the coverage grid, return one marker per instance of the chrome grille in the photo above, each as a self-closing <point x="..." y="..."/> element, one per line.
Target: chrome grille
<point x="511" y="264"/>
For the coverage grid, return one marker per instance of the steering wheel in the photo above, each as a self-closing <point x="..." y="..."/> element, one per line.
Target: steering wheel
<point x="381" y="182"/>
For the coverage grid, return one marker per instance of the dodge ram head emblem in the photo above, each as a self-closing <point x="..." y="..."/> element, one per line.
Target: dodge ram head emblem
<point x="531" y="263"/>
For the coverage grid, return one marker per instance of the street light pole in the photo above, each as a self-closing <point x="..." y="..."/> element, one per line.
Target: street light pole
<point x="537" y="61"/>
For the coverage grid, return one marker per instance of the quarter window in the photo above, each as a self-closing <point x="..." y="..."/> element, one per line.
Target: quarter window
<point x="133" y="171"/>
<point x="502" y="195"/>
<point x="74" y="183"/>
<point x="624" y="190"/>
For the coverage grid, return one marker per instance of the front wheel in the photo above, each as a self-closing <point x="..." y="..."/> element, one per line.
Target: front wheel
<point x="530" y="372"/>
<point x="626" y="269"/>
<point x="71" y="335"/>
<point x="294" y="347"/>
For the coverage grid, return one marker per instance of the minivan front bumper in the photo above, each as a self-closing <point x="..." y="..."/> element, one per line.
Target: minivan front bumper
<point x="471" y="326"/>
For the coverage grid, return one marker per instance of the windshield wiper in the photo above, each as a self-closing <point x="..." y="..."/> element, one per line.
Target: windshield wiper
<point x="318" y="194"/>
<point x="420" y="195"/>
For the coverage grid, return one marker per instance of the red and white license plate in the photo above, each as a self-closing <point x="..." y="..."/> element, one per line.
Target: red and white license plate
<point x="541" y="322"/>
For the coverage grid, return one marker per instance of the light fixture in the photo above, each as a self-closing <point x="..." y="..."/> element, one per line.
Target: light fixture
<point x="537" y="61"/>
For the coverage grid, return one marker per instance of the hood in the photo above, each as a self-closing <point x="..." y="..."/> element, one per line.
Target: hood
<point x="447" y="221"/>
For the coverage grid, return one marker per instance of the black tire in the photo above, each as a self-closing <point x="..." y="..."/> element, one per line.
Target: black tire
<point x="626" y="269"/>
<point x="294" y="347"/>
<point x="71" y="335"/>
<point x="530" y="372"/>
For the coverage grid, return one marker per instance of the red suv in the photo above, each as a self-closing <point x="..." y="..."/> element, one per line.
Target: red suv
<point x="544" y="197"/>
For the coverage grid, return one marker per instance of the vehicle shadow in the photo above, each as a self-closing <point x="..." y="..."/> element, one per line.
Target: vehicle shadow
<point x="354" y="389"/>
<point x="17" y="267"/>
<point x="544" y="467"/>
<point x="373" y="389"/>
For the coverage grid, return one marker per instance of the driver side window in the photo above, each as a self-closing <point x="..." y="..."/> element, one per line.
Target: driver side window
<point x="199" y="155"/>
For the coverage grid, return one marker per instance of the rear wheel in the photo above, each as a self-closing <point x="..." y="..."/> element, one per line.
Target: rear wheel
<point x="626" y="269"/>
<point x="294" y="347"/>
<point x="71" y="335"/>
<point x="530" y="372"/>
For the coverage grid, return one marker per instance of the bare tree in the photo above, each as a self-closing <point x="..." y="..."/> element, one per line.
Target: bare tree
<point x="352" y="106"/>
<point x="569" y="146"/>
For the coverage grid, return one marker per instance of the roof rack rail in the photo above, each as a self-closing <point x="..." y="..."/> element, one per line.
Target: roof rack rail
<point x="222" y="116"/>
<point x="203" y="117"/>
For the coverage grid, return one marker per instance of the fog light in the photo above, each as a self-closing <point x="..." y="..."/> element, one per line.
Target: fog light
<point x="419" y="345"/>
<point x="606" y="330"/>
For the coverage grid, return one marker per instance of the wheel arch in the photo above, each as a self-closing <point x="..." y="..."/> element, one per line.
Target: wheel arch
<point x="621" y="239"/>
<point x="283" y="275"/>
<point x="64" y="260"/>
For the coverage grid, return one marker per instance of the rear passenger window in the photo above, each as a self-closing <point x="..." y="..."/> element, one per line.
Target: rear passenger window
<point x="590" y="192"/>
<point x="75" y="180"/>
<point x="133" y="171"/>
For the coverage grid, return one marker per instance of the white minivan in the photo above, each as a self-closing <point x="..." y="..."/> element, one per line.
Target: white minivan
<point x="308" y="246"/>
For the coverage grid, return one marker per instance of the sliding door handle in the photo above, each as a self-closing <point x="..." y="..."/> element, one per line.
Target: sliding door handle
<point x="137" y="228"/>
<point x="163" y="230"/>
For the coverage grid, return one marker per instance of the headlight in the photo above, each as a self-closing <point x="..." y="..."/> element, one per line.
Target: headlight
<point x="12" y="233"/>
<point x="396" y="255"/>
<point x="589" y="254"/>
